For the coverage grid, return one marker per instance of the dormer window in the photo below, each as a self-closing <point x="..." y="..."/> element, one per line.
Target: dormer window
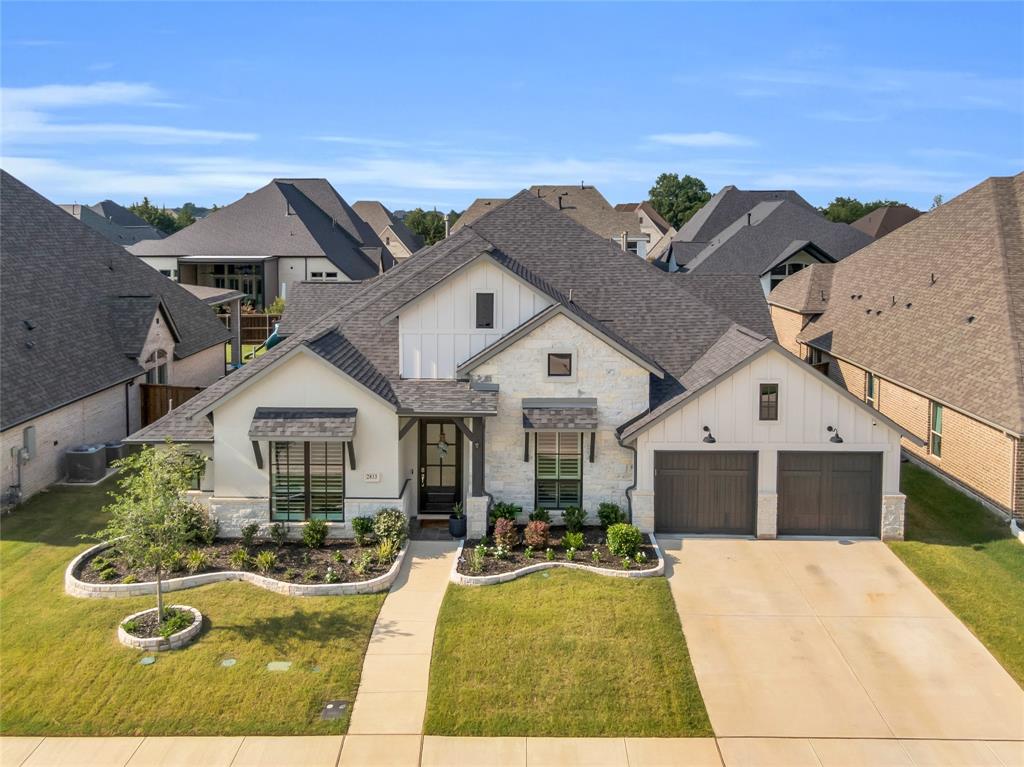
<point x="485" y="310"/>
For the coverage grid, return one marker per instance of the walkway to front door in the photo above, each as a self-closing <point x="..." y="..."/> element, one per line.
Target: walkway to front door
<point x="831" y="639"/>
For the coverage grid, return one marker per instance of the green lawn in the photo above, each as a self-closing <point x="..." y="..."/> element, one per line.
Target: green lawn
<point x="64" y="672"/>
<point x="247" y="349"/>
<point x="969" y="559"/>
<point x="563" y="653"/>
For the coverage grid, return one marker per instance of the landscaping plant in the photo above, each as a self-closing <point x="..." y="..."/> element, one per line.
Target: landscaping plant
<point x="624" y="540"/>
<point x="528" y="552"/>
<point x="574" y="518"/>
<point x="391" y="524"/>
<point x="239" y="559"/>
<point x="505" y="533"/>
<point x="549" y="555"/>
<point x="610" y="514"/>
<point x="387" y="550"/>
<point x="265" y="561"/>
<point x="314" y="533"/>
<point x="536" y="533"/>
<point x="332" y="577"/>
<point x="196" y="560"/>
<point x="476" y="560"/>
<point x="176" y="562"/>
<point x="570" y="554"/>
<point x="640" y="558"/>
<point x="595" y="557"/>
<point x="278" y="534"/>
<point x="201" y="524"/>
<point x="248" y="534"/>
<point x="573" y="540"/>
<point x="150" y="511"/>
<point x="503" y="510"/>
<point x="361" y="565"/>
<point x="362" y="529"/>
<point x="540" y="515"/>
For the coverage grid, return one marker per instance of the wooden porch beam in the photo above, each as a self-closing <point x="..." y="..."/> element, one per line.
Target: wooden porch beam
<point x="461" y="426"/>
<point x="407" y="427"/>
<point x="351" y="454"/>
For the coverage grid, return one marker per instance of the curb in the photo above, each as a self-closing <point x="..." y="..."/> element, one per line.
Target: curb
<point x="157" y="644"/>
<point x="490" y="580"/>
<point x="77" y="588"/>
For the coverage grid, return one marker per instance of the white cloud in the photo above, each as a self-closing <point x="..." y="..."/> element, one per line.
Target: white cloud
<point x="360" y="141"/>
<point x="702" y="140"/>
<point x="872" y="178"/>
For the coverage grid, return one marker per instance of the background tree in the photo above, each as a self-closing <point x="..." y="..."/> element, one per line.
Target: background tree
<point x="183" y="219"/>
<point x="149" y="514"/>
<point x="154" y="216"/>
<point x="846" y="210"/>
<point x="429" y="224"/>
<point x="677" y="199"/>
<point x="936" y="202"/>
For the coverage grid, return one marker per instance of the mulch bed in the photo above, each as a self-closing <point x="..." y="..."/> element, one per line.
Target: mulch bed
<point x="147" y="626"/>
<point x="594" y="538"/>
<point x="296" y="563"/>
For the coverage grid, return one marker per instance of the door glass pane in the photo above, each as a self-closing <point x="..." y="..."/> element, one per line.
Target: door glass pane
<point x="433" y="476"/>
<point x="448" y="477"/>
<point x="433" y="432"/>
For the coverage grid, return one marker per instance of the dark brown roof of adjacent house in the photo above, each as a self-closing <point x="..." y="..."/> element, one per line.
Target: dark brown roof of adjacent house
<point x="805" y="292"/>
<point x="477" y="208"/>
<point x="380" y="218"/>
<point x="882" y="221"/>
<point x="938" y="304"/>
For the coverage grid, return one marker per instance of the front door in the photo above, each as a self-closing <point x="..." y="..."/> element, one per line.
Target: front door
<point x="440" y="466"/>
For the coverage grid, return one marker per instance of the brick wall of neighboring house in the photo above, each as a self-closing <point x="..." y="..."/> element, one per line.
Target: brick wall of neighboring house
<point x="1018" y="484"/>
<point x="787" y="325"/>
<point x="973" y="453"/>
<point x="199" y="369"/>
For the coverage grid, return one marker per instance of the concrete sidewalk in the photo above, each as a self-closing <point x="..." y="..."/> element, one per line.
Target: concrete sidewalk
<point x="431" y="751"/>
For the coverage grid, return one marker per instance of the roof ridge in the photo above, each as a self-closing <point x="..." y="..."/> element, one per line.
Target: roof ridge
<point x="1015" y="308"/>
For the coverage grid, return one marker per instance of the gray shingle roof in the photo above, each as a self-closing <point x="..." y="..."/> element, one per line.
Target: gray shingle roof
<point x="287" y="217"/>
<point x="379" y="218"/>
<point x="727" y="206"/>
<point x="303" y="423"/>
<point x="960" y="338"/>
<point x="737" y="296"/>
<point x="120" y="215"/>
<point x="67" y="281"/>
<point x="121" y="234"/>
<point x="308" y="301"/>
<point x="623" y="293"/>
<point x="578" y="414"/>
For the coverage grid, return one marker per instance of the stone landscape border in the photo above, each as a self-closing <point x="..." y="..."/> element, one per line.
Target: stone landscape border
<point x="1016" y="530"/>
<point x="158" y="644"/>
<point x="490" y="580"/>
<point x="78" y="588"/>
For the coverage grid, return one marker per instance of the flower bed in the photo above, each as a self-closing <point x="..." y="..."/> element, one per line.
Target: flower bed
<point x="142" y="630"/>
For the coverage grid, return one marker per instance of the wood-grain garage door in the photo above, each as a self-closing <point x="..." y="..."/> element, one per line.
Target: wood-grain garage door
<point x="830" y="493"/>
<point x="704" y="492"/>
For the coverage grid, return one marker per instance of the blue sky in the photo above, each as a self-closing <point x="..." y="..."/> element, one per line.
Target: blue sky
<point x="436" y="104"/>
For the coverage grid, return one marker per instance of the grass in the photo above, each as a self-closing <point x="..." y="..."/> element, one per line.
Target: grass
<point x="563" y="653"/>
<point x="247" y="349"/>
<point x="64" y="672"/>
<point x="970" y="560"/>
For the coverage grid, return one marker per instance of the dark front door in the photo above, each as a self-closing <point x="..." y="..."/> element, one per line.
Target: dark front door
<point x="830" y="493"/>
<point x="704" y="492"/>
<point x="440" y="465"/>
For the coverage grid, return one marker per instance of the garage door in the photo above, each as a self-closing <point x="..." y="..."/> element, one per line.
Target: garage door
<point x="704" y="492"/>
<point x="830" y="493"/>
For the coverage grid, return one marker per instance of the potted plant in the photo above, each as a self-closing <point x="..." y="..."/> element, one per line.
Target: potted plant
<point x="457" y="521"/>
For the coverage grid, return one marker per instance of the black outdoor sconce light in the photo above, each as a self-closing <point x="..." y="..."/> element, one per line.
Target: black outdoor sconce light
<point x="708" y="436"/>
<point x="835" y="435"/>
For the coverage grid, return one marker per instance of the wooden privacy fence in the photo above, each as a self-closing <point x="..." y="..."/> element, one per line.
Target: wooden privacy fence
<point x="255" y="327"/>
<point x="158" y="399"/>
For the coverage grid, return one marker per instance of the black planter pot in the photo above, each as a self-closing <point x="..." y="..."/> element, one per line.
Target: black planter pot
<point x="457" y="526"/>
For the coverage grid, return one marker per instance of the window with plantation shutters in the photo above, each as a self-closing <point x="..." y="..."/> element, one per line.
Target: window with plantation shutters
<point x="307" y="481"/>
<point x="558" y="461"/>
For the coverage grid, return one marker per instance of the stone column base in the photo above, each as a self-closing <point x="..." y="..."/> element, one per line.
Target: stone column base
<point x="766" y="526"/>
<point x="643" y="510"/>
<point x="893" y="516"/>
<point x="476" y="516"/>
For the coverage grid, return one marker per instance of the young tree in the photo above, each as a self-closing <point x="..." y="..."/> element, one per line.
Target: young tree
<point x="936" y="202"/>
<point x="429" y="224"/>
<point x="183" y="219"/>
<point x="148" y="515"/>
<point x="154" y="216"/>
<point x="677" y="199"/>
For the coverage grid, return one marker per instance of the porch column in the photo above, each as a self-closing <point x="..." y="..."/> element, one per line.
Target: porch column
<point x="476" y="504"/>
<point x="236" y="332"/>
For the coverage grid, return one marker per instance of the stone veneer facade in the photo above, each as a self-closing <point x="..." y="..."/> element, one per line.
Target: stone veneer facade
<point x="620" y="386"/>
<point x="232" y="514"/>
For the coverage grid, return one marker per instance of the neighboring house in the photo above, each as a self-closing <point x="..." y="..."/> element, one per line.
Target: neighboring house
<point x="398" y="240"/>
<point x="652" y="223"/>
<point x="632" y="230"/>
<point x="927" y="326"/>
<point x="116" y="223"/>
<point x="285" y="232"/>
<point x="76" y="348"/>
<point x="777" y="236"/>
<point x="526" y="359"/>
<point x="881" y="221"/>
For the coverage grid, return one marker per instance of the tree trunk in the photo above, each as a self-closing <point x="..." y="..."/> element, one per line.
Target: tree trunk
<point x="159" y="596"/>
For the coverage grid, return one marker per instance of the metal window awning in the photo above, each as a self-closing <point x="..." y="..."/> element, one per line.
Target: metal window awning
<point x="560" y="414"/>
<point x="303" y="423"/>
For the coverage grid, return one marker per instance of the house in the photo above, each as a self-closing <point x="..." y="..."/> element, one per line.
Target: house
<point x="633" y="229"/>
<point x="777" y="236"/>
<point x="115" y="222"/>
<point x="285" y="232"/>
<point x="926" y="325"/>
<point x="527" y="359"/>
<point x="77" y="350"/>
<point x="889" y="218"/>
<point x="397" y="238"/>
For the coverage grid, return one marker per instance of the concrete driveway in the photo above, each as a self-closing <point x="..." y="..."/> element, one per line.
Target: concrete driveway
<point x="831" y="639"/>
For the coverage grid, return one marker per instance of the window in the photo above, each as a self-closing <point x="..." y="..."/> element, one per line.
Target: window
<point x="330" y="275"/>
<point x="769" y="402"/>
<point x="935" y="436"/>
<point x="307" y="481"/>
<point x="157" y="375"/>
<point x="871" y="390"/>
<point x="485" y="310"/>
<point x="559" y="365"/>
<point x="558" y="460"/>
<point x="633" y="246"/>
<point x="196" y="478"/>
<point x="316" y="275"/>
<point x="779" y="273"/>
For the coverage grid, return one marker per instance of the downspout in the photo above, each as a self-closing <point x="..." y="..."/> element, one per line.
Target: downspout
<point x="631" y="488"/>
<point x="127" y="409"/>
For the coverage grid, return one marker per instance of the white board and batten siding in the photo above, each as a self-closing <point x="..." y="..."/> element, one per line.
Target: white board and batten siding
<point x="438" y="332"/>
<point x="807" y="407"/>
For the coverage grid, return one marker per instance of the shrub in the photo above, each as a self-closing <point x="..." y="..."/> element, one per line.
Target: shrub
<point x="476" y="560"/>
<point x="640" y="558"/>
<point x="129" y="579"/>
<point x="196" y="560"/>
<point x="331" y="576"/>
<point x="99" y="564"/>
<point x="610" y="514"/>
<point x="528" y="552"/>
<point x="290" y="575"/>
<point x="536" y="533"/>
<point x="278" y="533"/>
<point x="109" y="574"/>
<point x="505" y="533"/>
<point x="595" y="557"/>
<point x="239" y="559"/>
<point x="338" y="557"/>
<point x="176" y="562"/>
<point x="502" y="510"/>
<point x="624" y="540"/>
<point x="201" y="526"/>
<point x="248" y="534"/>
<point x="570" y="554"/>
<point x="502" y="552"/>
<point x="626" y="562"/>
<point x="391" y="524"/>
<point x="574" y="517"/>
<point x="549" y="555"/>
<point x="573" y="540"/>
<point x="309" y="576"/>
<point x="314" y="533"/>
<point x="265" y="561"/>
<point x="361" y="565"/>
<point x="362" y="528"/>
<point x="131" y="626"/>
<point x="176" y="620"/>
<point x="540" y="515"/>
<point x="387" y="550"/>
